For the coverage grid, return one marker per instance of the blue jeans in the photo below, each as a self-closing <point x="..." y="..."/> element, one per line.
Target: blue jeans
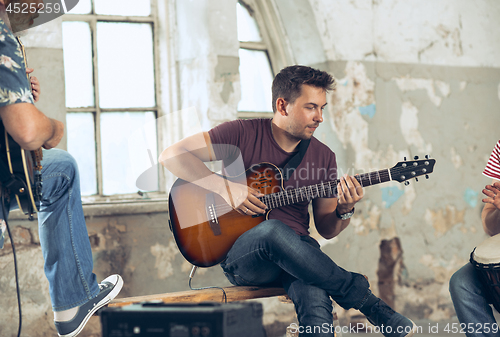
<point x="469" y="300"/>
<point x="63" y="233"/>
<point x="273" y="254"/>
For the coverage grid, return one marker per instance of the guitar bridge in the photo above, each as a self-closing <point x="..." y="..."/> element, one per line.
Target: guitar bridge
<point x="211" y="212"/>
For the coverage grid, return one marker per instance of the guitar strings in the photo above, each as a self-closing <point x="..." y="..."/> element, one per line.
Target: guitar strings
<point x="282" y="198"/>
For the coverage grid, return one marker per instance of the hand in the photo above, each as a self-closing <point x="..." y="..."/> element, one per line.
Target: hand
<point x="492" y="192"/>
<point x="57" y="134"/>
<point x="35" y="85"/>
<point x="244" y="199"/>
<point x="349" y="192"/>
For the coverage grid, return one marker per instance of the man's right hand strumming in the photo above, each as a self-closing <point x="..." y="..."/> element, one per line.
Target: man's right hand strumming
<point x="242" y="198"/>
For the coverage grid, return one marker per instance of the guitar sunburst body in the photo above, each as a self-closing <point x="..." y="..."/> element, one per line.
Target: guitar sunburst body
<point x="205" y="227"/>
<point x="204" y="235"/>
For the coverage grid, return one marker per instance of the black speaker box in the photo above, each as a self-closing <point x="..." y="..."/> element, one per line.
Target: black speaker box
<point x="207" y="319"/>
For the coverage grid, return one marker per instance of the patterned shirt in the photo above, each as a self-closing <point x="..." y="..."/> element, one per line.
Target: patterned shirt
<point x="14" y="85"/>
<point x="492" y="169"/>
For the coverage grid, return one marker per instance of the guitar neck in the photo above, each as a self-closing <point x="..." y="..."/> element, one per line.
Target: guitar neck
<point x="322" y="190"/>
<point x="23" y="51"/>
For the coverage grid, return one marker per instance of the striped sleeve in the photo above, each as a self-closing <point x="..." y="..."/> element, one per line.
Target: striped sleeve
<point x="492" y="169"/>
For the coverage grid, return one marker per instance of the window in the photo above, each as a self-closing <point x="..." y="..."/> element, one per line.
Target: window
<point x="111" y="93"/>
<point x="262" y="55"/>
<point x="256" y="74"/>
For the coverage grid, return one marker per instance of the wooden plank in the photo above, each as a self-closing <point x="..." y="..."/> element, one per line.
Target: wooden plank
<point x="234" y="293"/>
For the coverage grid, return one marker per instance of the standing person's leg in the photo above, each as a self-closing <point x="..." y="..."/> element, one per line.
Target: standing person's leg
<point x="471" y="306"/>
<point x="66" y="247"/>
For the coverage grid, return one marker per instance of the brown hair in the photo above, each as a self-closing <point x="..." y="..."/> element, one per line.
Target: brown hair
<point x="288" y="82"/>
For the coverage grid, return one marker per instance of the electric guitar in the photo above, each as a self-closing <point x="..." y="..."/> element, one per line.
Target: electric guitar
<point x="24" y="168"/>
<point x="205" y="227"/>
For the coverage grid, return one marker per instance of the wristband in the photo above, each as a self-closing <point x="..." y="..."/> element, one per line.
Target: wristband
<point x="344" y="216"/>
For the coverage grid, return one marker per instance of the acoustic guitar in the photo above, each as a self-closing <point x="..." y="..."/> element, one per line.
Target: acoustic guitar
<point x="205" y="227"/>
<point x="24" y="167"/>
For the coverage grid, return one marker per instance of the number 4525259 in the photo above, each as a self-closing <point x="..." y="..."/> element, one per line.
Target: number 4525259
<point x="476" y="328"/>
<point x="32" y="8"/>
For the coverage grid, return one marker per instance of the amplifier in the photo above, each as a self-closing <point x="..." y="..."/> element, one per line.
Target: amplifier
<point x="206" y="319"/>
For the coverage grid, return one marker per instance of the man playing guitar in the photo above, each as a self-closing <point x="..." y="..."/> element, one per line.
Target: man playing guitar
<point x="279" y="251"/>
<point x="74" y="291"/>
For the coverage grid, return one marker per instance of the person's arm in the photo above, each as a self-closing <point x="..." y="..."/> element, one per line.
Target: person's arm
<point x="186" y="158"/>
<point x="328" y="224"/>
<point x="491" y="211"/>
<point x="29" y="127"/>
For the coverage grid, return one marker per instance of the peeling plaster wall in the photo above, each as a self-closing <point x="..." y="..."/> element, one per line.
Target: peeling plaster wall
<point x="208" y="64"/>
<point x="446" y="32"/>
<point x="414" y="78"/>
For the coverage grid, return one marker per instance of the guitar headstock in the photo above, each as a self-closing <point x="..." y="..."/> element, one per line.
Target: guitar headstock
<point x="405" y="170"/>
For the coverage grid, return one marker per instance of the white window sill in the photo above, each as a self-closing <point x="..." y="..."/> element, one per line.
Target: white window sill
<point x="115" y="205"/>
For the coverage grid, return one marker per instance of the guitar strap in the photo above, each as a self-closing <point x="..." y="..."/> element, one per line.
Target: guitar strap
<point x="9" y="181"/>
<point x="295" y="161"/>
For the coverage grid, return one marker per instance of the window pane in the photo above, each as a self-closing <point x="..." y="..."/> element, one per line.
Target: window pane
<point x="256" y="79"/>
<point x="128" y="148"/>
<point x="126" y="67"/>
<point x="247" y="26"/>
<point x="81" y="144"/>
<point x="83" y="7"/>
<point x="123" y="7"/>
<point x="77" y="51"/>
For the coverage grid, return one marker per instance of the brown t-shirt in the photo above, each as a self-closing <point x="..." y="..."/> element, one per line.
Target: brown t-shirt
<point x="251" y="141"/>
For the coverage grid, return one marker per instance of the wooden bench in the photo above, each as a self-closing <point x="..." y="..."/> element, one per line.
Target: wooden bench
<point x="234" y="293"/>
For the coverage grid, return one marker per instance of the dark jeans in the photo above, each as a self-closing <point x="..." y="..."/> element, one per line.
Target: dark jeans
<point x="273" y="254"/>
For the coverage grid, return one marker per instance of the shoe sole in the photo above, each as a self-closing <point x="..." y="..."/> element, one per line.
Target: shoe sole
<point x="116" y="289"/>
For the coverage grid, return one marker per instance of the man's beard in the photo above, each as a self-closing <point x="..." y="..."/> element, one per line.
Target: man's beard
<point x="298" y="136"/>
<point x="297" y="133"/>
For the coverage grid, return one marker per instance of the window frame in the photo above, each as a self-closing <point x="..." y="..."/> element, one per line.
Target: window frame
<point x="92" y="19"/>
<point x="274" y="42"/>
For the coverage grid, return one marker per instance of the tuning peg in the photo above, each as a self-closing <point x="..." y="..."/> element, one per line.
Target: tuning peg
<point x="426" y="156"/>
<point x="404" y="158"/>
<point x="416" y="179"/>
<point x="426" y="176"/>
<point x="407" y="183"/>
<point x="416" y="157"/>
